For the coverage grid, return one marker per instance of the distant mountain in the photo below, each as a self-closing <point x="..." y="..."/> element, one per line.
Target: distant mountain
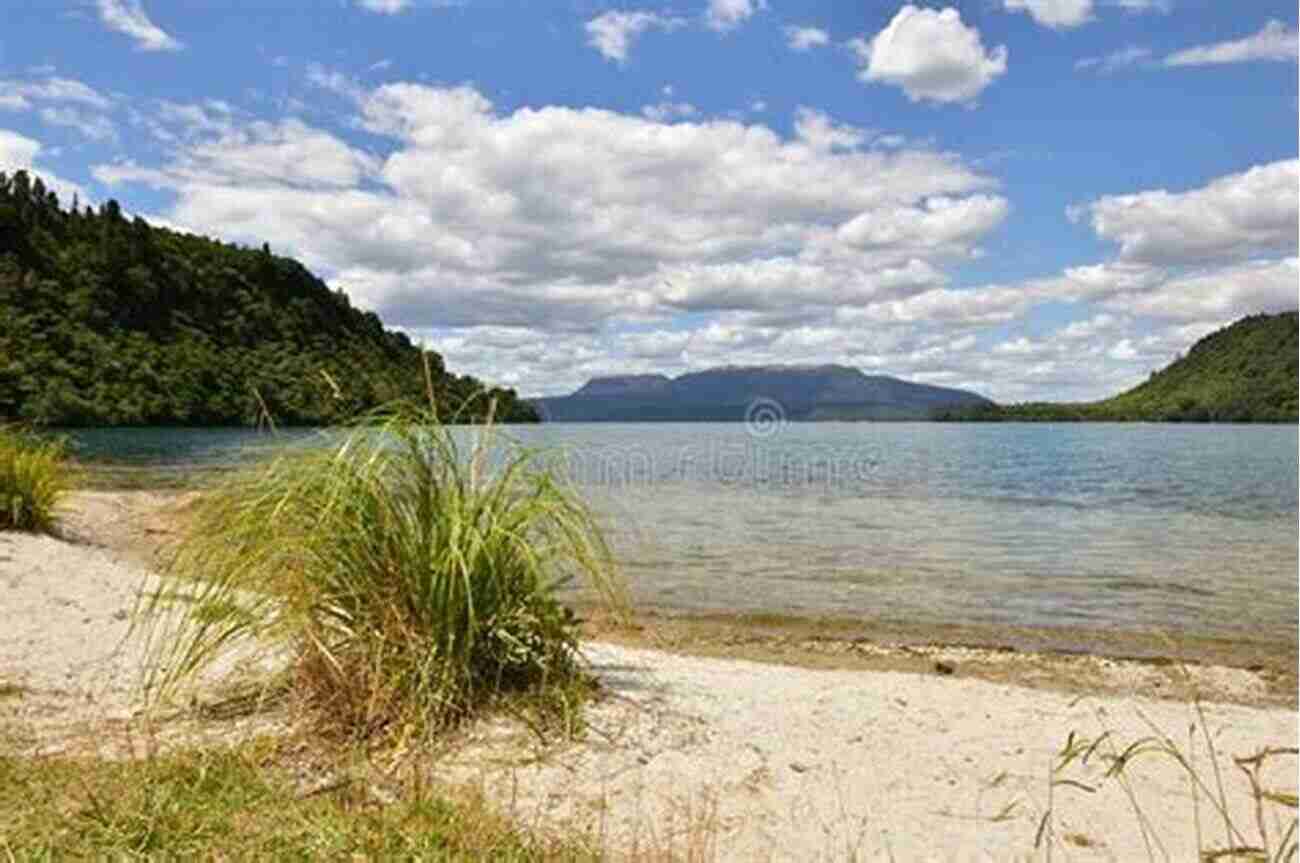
<point x="733" y="393"/>
<point x="1246" y="372"/>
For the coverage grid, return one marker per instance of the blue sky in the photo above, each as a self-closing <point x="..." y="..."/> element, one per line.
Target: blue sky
<point x="1032" y="198"/>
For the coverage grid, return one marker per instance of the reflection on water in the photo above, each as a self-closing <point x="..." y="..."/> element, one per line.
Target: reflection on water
<point x="1131" y="526"/>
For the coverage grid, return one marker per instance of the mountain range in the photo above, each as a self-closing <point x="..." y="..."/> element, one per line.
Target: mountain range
<point x="735" y="393"/>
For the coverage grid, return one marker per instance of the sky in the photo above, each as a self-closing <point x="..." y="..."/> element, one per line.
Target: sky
<point x="1034" y="199"/>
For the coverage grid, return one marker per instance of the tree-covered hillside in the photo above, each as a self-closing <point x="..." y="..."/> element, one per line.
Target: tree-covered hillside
<point x="109" y="321"/>
<point x="1246" y="372"/>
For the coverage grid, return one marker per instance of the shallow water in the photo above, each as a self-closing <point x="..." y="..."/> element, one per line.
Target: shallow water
<point x="1190" y="528"/>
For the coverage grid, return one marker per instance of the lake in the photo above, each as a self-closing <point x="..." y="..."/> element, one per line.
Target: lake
<point x="1188" y="528"/>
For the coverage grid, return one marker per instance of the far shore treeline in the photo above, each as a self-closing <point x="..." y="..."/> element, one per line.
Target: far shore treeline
<point x="106" y="320"/>
<point x="1246" y="372"/>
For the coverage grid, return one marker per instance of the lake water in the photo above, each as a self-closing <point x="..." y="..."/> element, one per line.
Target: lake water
<point x="1188" y="528"/>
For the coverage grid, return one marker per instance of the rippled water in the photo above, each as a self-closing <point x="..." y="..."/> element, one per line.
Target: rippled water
<point x="1182" y="527"/>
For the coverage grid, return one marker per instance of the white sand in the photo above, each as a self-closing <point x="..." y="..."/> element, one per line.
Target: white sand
<point x="767" y="762"/>
<point x="721" y="759"/>
<point x="66" y="610"/>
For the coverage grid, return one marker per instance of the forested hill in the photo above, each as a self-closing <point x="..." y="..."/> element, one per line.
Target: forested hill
<point x="109" y="321"/>
<point x="1246" y="372"/>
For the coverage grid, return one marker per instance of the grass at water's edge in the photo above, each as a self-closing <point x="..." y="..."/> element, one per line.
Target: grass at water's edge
<point x="34" y="476"/>
<point x="400" y="577"/>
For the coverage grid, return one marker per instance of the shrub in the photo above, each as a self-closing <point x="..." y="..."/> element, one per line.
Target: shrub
<point x="406" y="576"/>
<point x="34" y="476"/>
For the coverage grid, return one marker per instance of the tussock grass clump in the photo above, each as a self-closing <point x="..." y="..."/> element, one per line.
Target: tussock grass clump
<point x="407" y="577"/>
<point x="34" y="476"/>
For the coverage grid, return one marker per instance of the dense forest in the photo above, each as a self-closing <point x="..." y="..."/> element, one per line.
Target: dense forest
<point x="1246" y="372"/>
<point x="106" y="320"/>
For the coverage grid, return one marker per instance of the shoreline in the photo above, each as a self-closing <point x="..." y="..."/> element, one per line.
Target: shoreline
<point x="1064" y="660"/>
<point x="137" y="525"/>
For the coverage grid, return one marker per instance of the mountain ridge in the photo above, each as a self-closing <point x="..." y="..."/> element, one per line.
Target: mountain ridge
<point x="729" y="393"/>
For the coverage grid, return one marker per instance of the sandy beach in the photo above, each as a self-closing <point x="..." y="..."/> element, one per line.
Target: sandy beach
<point x="719" y="757"/>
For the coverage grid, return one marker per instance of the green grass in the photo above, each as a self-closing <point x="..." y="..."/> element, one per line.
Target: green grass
<point x="34" y="477"/>
<point x="408" y="578"/>
<point x="230" y="805"/>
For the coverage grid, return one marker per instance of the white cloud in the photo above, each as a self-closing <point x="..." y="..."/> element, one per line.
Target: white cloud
<point x="821" y="132"/>
<point x="1221" y="294"/>
<point x="1232" y="217"/>
<point x="1273" y="42"/>
<point x="939" y="223"/>
<point x="613" y="33"/>
<point x="18" y="95"/>
<point x="1140" y="6"/>
<point x="1093" y="327"/>
<point x="1113" y="62"/>
<point x="20" y="153"/>
<point x="806" y="38"/>
<point x="335" y="82"/>
<point x="564" y="219"/>
<point x="17" y="151"/>
<point x="259" y="154"/>
<point x="1057" y="14"/>
<point x="931" y="55"/>
<point x="667" y="111"/>
<point x="384" y="7"/>
<point x="94" y="126"/>
<point x="729" y="14"/>
<point x="129" y="18"/>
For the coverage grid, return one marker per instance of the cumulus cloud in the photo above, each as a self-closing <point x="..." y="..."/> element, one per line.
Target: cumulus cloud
<point x="17" y="151"/>
<point x="129" y="18"/>
<point x="821" y="132"/>
<point x="666" y="111"/>
<point x="1221" y="294"/>
<point x="938" y="223"/>
<point x="1057" y="14"/>
<point x="1239" y="215"/>
<point x="1274" y="42"/>
<point x="729" y="14"/>
<point x="931" y="55"/>
<point x="20" y="153"/>
<point x="806" y="38"/>
<point x="572" y="219"/>
<point x="613" y="33"/>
